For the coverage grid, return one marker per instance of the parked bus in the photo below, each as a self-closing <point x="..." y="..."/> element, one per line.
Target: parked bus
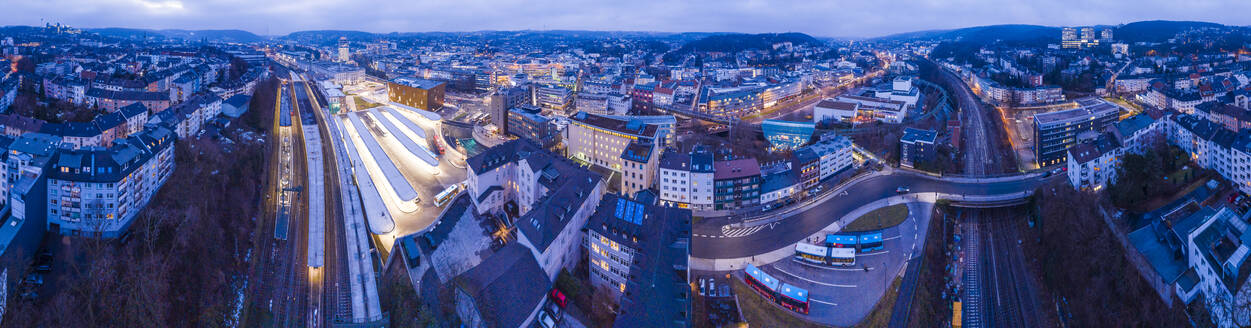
<point x="446" y="195"/>
<point x="825" y="255"/>
<point x="840" y="241"/>
<point x="812" y="253"/>
<point x="870" y="242"/>
<point x="793" y="298"/>
<point x="842" y="256"/>
<point x="762" y="282"/>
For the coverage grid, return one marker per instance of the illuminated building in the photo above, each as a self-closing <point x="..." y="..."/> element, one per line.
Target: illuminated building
<point x="916" y="146"/>
<point x="601" y="140"/>
<point x="633" y="249"/>
<point x="1055" y="132"/>
<point x="786" y="135"/>
<point x="416" y="93"/>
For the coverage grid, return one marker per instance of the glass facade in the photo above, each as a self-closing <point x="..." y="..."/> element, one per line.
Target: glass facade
<point x="786" y="135"/>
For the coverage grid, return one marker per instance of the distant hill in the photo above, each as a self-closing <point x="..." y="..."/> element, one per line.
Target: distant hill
<point x="324" y="36"/>
<point x="1158" y="30"/>
<point x="983" y="34"/>
<point x="210" y="35"/>
<point x="738" y="42"/>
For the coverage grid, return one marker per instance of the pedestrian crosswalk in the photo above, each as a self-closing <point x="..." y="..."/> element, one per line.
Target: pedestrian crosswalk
<point x="730" y="232"/>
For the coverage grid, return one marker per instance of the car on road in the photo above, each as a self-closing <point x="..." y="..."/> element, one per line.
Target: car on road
<point x="767" y="208"/>
<point x="902" y="190"/>
<point x="817" y="190"/>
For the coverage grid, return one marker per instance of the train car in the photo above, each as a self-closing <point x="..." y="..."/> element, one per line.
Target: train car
<point x="793" y="298"/>
<point x="812" y="253"/>
<point x="762" y="282"/>
<point x="840" y="240"/>
<point x="870" y="242"/>
<point x="842" y="256"/>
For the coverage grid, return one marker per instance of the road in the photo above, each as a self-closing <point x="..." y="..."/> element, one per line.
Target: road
<point x="713" y="241"/>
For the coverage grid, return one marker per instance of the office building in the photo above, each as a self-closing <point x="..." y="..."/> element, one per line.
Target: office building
<point x="601" y="140"/>
<point x="416" y="93"/>
<point x="553" y="97"/>
<point x="1055" y="132"/>
<point x="835" y="153"/>
<point x="1068" y="38"/>
<point x="527" y="122"/>
<point x="343" y="50"/>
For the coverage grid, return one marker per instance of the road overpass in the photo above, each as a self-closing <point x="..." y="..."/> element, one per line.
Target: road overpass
<point x="787" y="228"/>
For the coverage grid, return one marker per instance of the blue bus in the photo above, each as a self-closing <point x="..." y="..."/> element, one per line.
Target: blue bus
<point x="840" y="240"/>
<point x="870" y="242"/>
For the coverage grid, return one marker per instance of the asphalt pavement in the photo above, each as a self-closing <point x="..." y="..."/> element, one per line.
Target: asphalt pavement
<point x="710" y="241"/>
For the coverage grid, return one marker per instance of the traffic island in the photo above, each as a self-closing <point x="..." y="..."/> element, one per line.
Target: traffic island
<point x="878" y="219"/>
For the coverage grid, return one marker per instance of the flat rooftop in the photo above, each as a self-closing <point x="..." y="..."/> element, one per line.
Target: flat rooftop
<point x="1089" y="107"/>
<point x="416" y="83"/>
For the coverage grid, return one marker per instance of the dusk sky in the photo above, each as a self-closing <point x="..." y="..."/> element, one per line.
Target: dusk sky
<point x="835" y="18"/>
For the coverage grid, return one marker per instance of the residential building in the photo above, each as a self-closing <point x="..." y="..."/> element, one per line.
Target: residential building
<point x="1218" y="253"/>
<point x="626" y="246"/>
<point x="917" y="146"/>
<point x="550" y="197"/>
<point x="835" y="153"/>
<point x="674" y="179"/>
<point x="736" y="183"/>
<point x="639" y="161"/>
<point x="111" y="101"/>
<point x="98" y="192"/>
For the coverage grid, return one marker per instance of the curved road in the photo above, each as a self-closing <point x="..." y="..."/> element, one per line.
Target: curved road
<point x="709" y="242"/>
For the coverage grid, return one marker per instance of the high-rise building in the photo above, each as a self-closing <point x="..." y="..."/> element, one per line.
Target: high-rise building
<point x="1088" y="35"/>
<point x="343" y="49"/>
<point x="1105" y="35"/>
<point x="1068" y="38"/>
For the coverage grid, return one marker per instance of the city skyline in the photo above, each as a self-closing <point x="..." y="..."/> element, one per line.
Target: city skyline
<point x="840" y="20"/>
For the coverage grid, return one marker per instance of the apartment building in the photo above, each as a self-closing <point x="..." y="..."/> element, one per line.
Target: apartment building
<point x="552" y="198"/>
<point x="98" y="192"/>
<point x="736" y="183"/>
<point x="835" y="153"/>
